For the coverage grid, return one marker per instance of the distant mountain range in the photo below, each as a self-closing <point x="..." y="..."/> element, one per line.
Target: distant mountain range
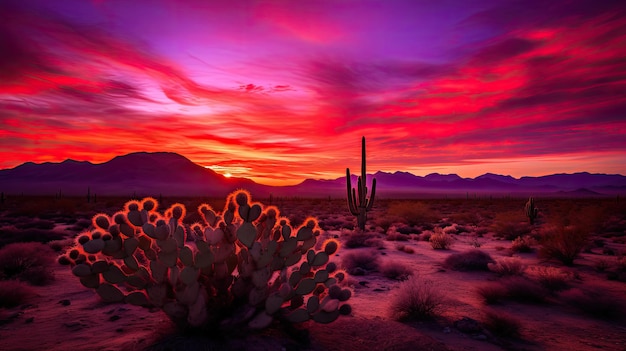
<point x="170" y="174"/>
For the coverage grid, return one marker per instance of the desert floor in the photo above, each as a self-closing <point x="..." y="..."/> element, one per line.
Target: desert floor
<point x="63" y="315"/>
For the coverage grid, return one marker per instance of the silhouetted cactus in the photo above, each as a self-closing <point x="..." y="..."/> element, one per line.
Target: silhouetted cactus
<point x="531" y="211"/>
<point x="242" y="268"/>
<point x="88" y="195"/>
<point x="359" y="204"/>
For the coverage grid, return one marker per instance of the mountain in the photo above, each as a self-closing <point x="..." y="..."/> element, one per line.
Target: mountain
<point x="140" y="173"/>
<point x="164" y="173"/>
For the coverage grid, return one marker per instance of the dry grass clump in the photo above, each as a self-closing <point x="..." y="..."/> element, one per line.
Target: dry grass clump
<point x="440" y="240"/>
<point x="507" y="266"/>
<point x="552" y="278"/>
<point x="596" y="303"/>
<point x="523" y="244"/>
<point x="396" y="270"/>
<point x="417" y="299"/>
<point x="405" y="248"/>
<point x="492" y="292"/>
<point x="361" y="262"/>
<point x="563" y="242"/>
<point x="501" y="324"/>
<point x="361" y="239"/>
<point x="513" y="288"/>
<point x="29" y="262"/>
<point x="14" y="293"/>
<point x="472" y="260"/>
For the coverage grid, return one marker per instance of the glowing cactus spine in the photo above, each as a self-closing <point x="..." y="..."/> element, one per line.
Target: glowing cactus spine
<point x="531" y="210"/>
<point x="359" y="206"/>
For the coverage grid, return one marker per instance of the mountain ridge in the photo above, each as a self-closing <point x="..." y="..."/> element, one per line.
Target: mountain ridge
<point x="169" y="173"/>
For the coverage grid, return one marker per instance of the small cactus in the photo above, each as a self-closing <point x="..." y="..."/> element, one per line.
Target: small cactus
<point x="244" y="267"/>
<point x="531" y="211"/>
<point x="359" y="206"/>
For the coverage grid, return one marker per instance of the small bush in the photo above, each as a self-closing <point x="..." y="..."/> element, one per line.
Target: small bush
<point x="597" y="304"/>
<point x="361" y="239"/>
<point x="563" y="242"/>
<point x="440" y="240"/>
<point x="361" y="262"/>
<point x="14" y="293"/>
<point x="425" y="235"/>
<point x="523" y="244"/>
<point x="501" y="324"/>
<point x="472" y="260"/>
<point x="395" y="270"/>
<point x="492" y="292"/>
<point x="507" y="266"/>
<point x="552" y="278"/>
<point x="27" y="261"/>
<point x="417" y="299"/>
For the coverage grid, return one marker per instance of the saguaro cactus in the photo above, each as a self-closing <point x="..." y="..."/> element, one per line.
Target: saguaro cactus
<point x="359" y="206"/>
<point x="531" y="210"/>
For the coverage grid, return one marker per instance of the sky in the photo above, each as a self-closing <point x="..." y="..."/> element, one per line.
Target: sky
<point x="282" y="91"/>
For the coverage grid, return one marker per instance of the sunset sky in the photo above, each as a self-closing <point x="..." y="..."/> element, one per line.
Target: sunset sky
<point x="280" y="91"/>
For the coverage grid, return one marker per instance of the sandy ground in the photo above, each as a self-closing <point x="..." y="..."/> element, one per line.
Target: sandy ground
<point x="88" y="324"/>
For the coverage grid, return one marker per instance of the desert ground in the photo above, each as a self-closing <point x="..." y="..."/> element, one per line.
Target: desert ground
<point x="428" y="274"/>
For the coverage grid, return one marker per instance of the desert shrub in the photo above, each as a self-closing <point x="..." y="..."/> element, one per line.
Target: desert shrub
<point x="14" y="293"/>
<point x="451" y="229"/>
<point x="492" y="292"/>
<point x="440" y="240"/>
<point x="523" y="244"/>
<point x="385" y="222"/>
<point x="361" y="239"/>
<point x="30" y="262"/>
<point x="507" y="266"/>
<point x="361" y="262"/>
<point x="395" y="270"/>
<point x="595" y="303"/>
<point x="510" y="225"/>
<point x="246" y="268"/>
<point x="523" y="290"/>
<point x="425" y="235"/>
<point x="472" y="260"/>
<point x="412" y="212"/>
<point x="36" y="223"/>
<point x="417" y="299"/>
<point x="501" y="324"/>
<point x="563" y="243"/>
<point x="405" y="248"/>
<point x="552" y="278"/>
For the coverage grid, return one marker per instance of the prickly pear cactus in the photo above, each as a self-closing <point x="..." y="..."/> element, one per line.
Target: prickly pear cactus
<point x="244" y="267"/>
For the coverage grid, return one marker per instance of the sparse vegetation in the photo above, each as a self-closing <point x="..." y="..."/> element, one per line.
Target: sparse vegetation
<point x="395" y="270"/>
<point x="507" y="266"/>
<point x="361" y="262"/>
<point x="29" y="262"/>
<point x="552" y="278"/>
<point x="523" y="244"/>
<point x="563" y="242"/>
<point x="472" y="260"/>
<point x="492" y="292"/>
<point x="440" y="240"/>
<point x="417" y="299"/>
